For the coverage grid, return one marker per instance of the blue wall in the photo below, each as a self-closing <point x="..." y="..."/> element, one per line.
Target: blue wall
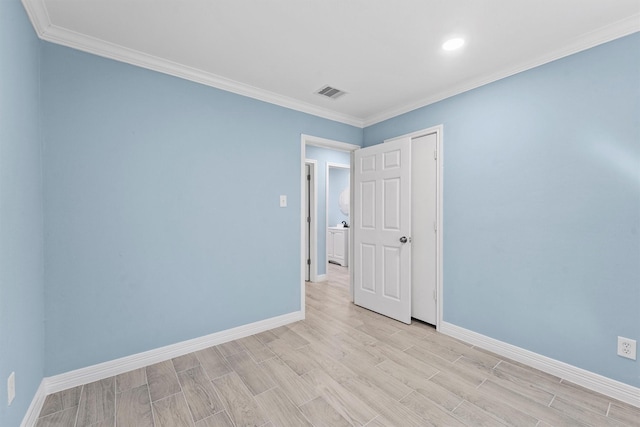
<point x="324" y="156"/>
<point x="21" y="247"/>
<point x="161" y="217"/>
<point x="542" y="206"/>
<point x="338" y="181"/>
<point x="162" y="208"/>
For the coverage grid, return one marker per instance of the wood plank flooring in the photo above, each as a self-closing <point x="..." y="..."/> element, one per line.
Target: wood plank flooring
<point x="341" y="366"/>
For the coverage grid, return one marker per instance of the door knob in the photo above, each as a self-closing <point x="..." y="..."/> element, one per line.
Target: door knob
<point x="403" y="239"/>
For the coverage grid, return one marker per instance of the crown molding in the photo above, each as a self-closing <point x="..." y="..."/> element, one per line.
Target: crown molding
<point x="37" y="12"/>
<point x="594" y="38"/>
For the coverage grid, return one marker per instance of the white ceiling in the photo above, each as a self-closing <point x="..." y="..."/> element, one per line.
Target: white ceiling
<point x="385" y="54"/>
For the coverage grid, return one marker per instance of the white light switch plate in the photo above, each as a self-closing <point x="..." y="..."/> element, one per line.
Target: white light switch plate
<point x="283" y="201"/>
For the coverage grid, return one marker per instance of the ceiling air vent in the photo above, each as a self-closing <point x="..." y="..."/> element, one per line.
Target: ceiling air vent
<point x="330" y="92"/>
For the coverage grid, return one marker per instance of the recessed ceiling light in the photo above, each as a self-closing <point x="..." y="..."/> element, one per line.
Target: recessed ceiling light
<point x="453" y="44"/>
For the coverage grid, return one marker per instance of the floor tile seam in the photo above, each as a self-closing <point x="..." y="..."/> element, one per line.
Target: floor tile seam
<point x="153" y="415"/>
<point x="115" y="400"/>
<point x="57" y="412"/>
<point x="262" y="392"/>
<point x="75" y="422"/>
<point x="491" y="415"/>
<point x="500" y="382"/>
<point x="165" y="397"/>
<point x="483" y="395"/>
<point x="552" y="399"/>
<point x="307" y="401"/>
<point x="578" y="407"/>
<point x="215" y="390"/>
<point x="219" y="376"/>
<point x="185" y="369"/>
<point x="458" y="405"/>
<point x="184" y="396"/>
<point x="563" y="394"/>
<point x="407" y="395"/>
<point x="372" y="420"/>
<point x="538" y="406"/>
<point x="290" y="401"/>
<point x="262" y="361"/>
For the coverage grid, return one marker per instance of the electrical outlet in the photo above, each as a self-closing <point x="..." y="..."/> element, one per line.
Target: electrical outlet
<point x="627" y="348"/>
<point x="11" y="388"/>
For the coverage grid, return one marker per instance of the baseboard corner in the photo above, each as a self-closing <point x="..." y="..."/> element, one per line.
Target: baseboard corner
<point x="31" y="417"/>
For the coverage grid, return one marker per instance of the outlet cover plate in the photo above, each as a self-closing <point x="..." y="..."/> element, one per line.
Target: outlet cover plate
<point x="627" y="348"/>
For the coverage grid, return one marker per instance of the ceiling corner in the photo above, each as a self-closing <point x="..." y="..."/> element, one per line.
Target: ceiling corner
<point x="37" y="12"/>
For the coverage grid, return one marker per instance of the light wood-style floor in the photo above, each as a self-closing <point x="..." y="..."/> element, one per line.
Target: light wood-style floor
<point x="341" y="366"/>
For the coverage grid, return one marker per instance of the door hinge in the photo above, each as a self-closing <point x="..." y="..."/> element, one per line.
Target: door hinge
<point x="309" y="219"/>
<point x="308" y="262"/>
<point x="308" y="177"/>
<point x="435" y="296"/>
<point x="435" y="227"/>
<point x="435" y="154"/>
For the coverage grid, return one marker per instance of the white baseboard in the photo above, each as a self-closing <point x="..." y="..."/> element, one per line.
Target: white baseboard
<point x="598" y="383"/>
<point x="31" y="416"/>
<point x="321" y="278"/>
<point x="119" y="366"/>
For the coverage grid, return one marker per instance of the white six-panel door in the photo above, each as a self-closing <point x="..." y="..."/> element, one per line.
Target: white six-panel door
<point x="382" y="229"/>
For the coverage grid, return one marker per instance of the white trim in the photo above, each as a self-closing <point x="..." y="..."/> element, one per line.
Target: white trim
<point x="329" y="143"/>
<point x="618" y="29"/>
<point x="352" y="186"/>
<point x="313" y="227"/>
<point x="41" y="22"/>
<point x="31" y="417"/>
<point x="118" y="366"/>
<point x="598" y="383"/>
<point x="439" y="131"/>
<point x="321" y="277"/>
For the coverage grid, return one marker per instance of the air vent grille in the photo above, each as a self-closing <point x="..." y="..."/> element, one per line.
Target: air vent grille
<point x="330" y="92"/>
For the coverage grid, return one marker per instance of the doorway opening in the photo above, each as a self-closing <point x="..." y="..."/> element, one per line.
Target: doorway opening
<point x="313" y="248"/>
<point x="337" y="204"/>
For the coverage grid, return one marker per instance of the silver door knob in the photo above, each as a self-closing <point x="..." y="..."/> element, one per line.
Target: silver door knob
<point x="403" y="239"/>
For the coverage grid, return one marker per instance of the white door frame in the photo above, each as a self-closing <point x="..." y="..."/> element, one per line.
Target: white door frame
<point x="323" y="143"/>
<point x="439" y="131"/>
<point x="313" y="225"/>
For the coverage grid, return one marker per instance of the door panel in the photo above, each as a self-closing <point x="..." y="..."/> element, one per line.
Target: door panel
<point x="382" y="183"/>
<point x="307" y="232"/>
<point x="424" y="211"/>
